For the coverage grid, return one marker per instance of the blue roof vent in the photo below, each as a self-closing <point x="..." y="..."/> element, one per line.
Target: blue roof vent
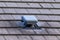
<point x="29" y="21"/>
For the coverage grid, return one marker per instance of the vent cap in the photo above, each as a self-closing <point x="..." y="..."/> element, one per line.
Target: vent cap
<point x="29" y="19"/>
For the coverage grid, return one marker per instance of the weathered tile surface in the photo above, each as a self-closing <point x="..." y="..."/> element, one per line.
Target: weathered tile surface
<point x="44" y="10"/>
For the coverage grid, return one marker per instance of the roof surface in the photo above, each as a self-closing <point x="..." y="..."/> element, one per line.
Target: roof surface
<point x="46" y="11"/>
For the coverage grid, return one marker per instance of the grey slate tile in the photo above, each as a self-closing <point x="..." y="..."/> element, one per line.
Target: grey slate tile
<point x="22" y="5"/>
<point x="13" y="24"/>
<point x="21" y="11"/>
<point x="46" y="5"/>
<point x="2" y="38"/>
<point x="5" y="24"/>
<point x="42" y="24"/>
<point x="16" y="16"/>
<point x="57" y="0"/>
<point x="54" y="24"/>
<point x="10" y="31"/>
<point x="2" y="4"/>
<point x="11" y="37"/>
<point x="34" y="5"/>
<point x="3" y="31"/>
<point x="14" y="31"/>
<point x="39" y="0"/>
<point x="9" y="0"/>
<point x="34" y="0"/>
<point x="33" y="11"/>
<point x="38" y="38"/>
<point x="42" y="17"/>
<point x="50" y="37"/>
<point x="56" y="5"/>
<point x="54" y="17"/>
<point x="11" y="4"/>
<point x="45" y="11"/>
<point x="5" y="17"/>
<point x="40" y="31"/>
<point x="58" y="37"/>
<point x="9" y="10"/>
<point x="53" y="31"/>
<point x="49" y="0"/>
<point x="24" y="38"/>
<point x="27" y="31"/>
<point x="1" y="10"/>
<point x="26" y="0"/>
<point x="55" y="11"/>
<point x="8" y="24"/>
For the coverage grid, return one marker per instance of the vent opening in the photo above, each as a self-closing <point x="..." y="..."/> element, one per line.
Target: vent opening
<point x="28" y="25"/>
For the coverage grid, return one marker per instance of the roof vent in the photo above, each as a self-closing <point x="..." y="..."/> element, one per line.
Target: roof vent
<point x="29" y="21"/>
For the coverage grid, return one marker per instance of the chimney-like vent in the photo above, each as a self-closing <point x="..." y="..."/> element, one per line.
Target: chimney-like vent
<point x="29" y="21"/>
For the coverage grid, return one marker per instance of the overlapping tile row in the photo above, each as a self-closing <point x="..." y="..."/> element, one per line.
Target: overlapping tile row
<point x="19" y="32"/>
<point x="29" y="38"/>
<point x="34" y="0"/>
<point x="30" y="5"/>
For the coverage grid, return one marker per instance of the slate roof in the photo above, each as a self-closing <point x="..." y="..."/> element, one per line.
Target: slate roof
<point x="46" y="11"/>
